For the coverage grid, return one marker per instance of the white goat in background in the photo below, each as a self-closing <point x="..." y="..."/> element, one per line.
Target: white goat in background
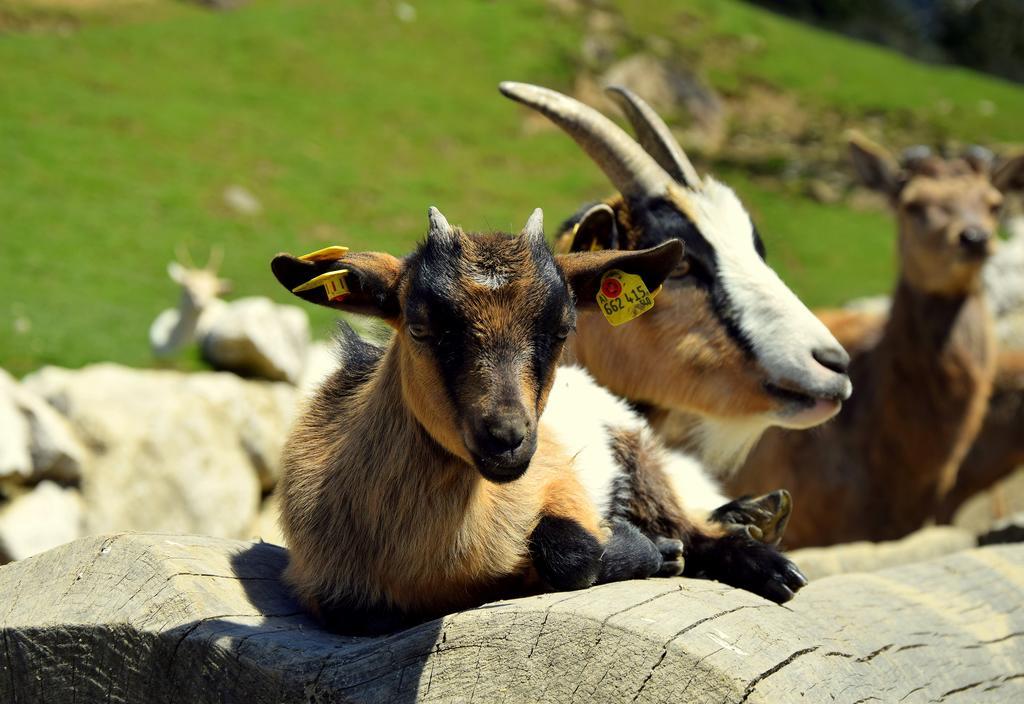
<point x="251" y="336"/>
<point x="201" y="290"/>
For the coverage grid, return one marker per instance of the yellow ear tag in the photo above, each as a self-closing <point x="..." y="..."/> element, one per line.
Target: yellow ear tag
<point x="595" y="246"/>
<point x="333" y="282"/>
<point x="623" y="297"/>
<point x="325" y="254"/>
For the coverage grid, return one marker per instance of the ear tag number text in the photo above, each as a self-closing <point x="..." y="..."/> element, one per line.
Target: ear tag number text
<point x="333" y="283"/>
<point x="623" y="297"/>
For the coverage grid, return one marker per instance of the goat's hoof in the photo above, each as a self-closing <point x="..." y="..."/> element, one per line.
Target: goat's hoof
<point x="776" y="578"/>
<point x="739" y="561"/>
<point x="672" y="561"/>
<point x="763" y="518"/>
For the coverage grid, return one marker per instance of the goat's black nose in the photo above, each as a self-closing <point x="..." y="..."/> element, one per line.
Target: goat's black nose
<point x="505" y="434"/>
<point x="975" y="240"/>
<point x="834" y="358"/>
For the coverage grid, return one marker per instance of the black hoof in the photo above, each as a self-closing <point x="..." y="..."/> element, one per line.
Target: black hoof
<point x="744" y="563"/>
<point x="763" y="518"/>
<point x="672" y="560"/>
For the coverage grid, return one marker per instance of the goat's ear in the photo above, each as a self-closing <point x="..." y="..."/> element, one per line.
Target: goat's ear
<point x="596" y="230"/>
<point x="177" y="273"/>
<point x="583" y="270"/>
<point x="875" y="166"/>
<point x="372" y="281"/>
<point x="1008" y="177"/>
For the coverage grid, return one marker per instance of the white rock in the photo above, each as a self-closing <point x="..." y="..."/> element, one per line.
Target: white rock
<point x="15" y="438"/>
<point x="405" y="12"/>
<point x="241" y="200"/>
<point x="35" y="441"/>
<point x="257" y="337"/>
<point x="669" y="86"/>
<point x="1004" y="274"/>
<point x="42" y="519"/>
<point x="180" y="453"/>
<point x="56" y="452"/>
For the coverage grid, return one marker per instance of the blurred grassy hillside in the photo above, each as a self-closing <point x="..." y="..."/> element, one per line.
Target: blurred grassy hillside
<point x="123" y="122"/>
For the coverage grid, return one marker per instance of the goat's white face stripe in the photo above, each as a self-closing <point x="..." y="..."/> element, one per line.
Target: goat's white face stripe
<point x="781" y="331"/>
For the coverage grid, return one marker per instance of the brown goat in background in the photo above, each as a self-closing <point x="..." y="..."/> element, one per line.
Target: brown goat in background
<point x="922" y="376"/>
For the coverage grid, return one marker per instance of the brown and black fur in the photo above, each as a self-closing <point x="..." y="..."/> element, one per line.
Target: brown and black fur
<point x="922" y="377"/>
<point x="394" y="505"/>
<point x="998" y="449"/>
<point x="720" y="547"/>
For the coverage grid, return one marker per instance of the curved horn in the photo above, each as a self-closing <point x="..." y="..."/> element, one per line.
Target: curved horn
<point x="655" y="136"/>
<point x="534" y="228"/>
<point x="632" y="170"/>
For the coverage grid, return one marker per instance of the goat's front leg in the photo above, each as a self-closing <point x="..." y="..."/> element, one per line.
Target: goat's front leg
<point x="763" y="518"/>
<point x="567" y="556"/>
<point x="572" y="548"/>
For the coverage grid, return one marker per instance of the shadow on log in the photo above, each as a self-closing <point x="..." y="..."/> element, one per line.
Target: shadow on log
<point x="162" y="618"/>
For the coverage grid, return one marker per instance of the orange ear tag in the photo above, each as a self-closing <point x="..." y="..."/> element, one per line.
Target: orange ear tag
<point x="333" y="283"/>
<point x="623" y="297"/>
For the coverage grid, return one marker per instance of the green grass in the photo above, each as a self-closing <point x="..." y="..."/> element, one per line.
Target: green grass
<point x="346" y="123"/>
<point x="118" y="139"/>
<point x="829" y="71"/>
<point x="827" y="254"/>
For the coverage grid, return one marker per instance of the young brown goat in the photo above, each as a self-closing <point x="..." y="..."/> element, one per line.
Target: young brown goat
<point x="421" y="480"/>
<point x="923" y="375"/>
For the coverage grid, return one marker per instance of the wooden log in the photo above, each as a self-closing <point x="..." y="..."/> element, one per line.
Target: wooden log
<point x="864" y="556"/>
<point x="163" y="618"/>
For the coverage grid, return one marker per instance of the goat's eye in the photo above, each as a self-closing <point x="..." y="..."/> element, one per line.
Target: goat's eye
<point x="419" y="332"/>
<point x="563" y="331"/>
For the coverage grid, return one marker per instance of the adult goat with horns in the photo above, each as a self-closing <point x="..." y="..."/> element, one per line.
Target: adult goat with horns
<point x="730" y="350"/>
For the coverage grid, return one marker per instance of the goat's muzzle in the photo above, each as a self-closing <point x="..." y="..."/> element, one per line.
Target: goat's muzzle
<point x="502" y="445"/>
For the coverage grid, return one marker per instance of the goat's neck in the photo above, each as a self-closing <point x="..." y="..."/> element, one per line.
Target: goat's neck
<point x="181" y="327"/>
<point x="930" y="380"/>
<point x="385" y="440"/>
<point x="403" y="511"/>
